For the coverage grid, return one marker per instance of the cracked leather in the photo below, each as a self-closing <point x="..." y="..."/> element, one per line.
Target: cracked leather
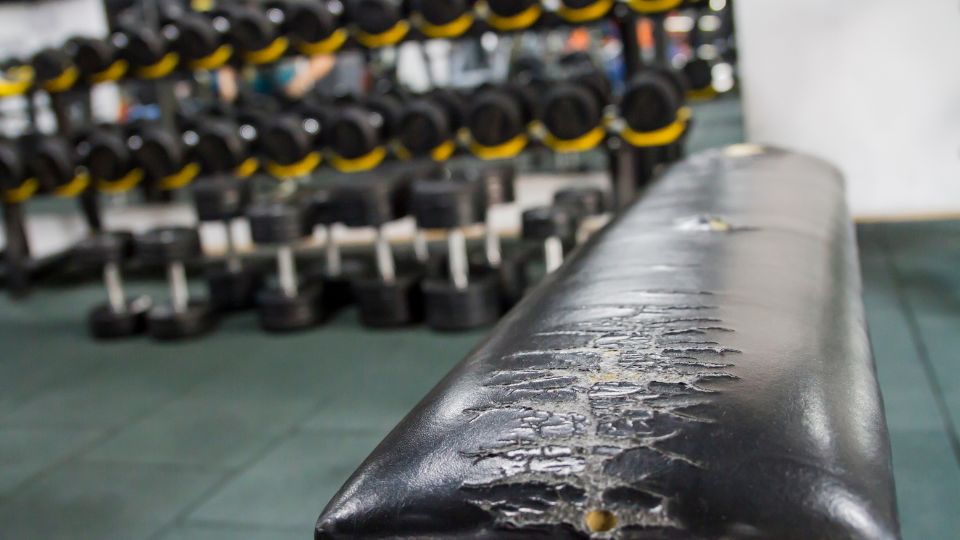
<point x="699" y="369"/>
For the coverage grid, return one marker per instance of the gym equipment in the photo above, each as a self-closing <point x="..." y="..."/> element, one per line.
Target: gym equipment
<point x="119" y="316"/>
<point x="497" y="121"/>
<point x="428" y="126"/>
<point x="222" y="147"/>
<point x="315" y="27"/>
<point x="497" y="187"/>
<point x="16" y="187"/>
<point x="324" y="212"/>
<point x="146" y="50"/>
<point x="359" y="133"/>
<point x="288" y="306"/>
<point x="448" y="19"/>
<point x="200" y="41"/>
<point x="573" y="112"/>
<point x="555" y="227"/>
<point x="182" y="317"/>
<point x="97" y="60"/>
<point x="513" y="15"/>
<point x="682" y="377"/>
<point x="393" y="296"/>
<point x="163" y="157"/>
<point x="255" y="33"/>
<point x="583" y="203"/>
<point x="377" y="23"/>
<point x="455" y="302"/>
<point x="291" y="145"/>
<point x="109" y="160"/>
<point x="221" y="198"/>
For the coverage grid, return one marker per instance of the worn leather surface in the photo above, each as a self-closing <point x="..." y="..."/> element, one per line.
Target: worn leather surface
<point x="700" y="369"/>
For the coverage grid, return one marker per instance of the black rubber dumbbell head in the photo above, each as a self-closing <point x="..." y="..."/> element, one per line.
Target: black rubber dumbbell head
<point x="91" y="56"/>
<point x="276" y="223"/>
<point x="311" y="22"/>
<point x="444" y="204"/>
<point x="365" y="202"/>
<point x="102" y="248"/>
<point x="197" y="36"/>
<point x="508" y="8"/>
<point x="441" y="13"/>
<point x="168" y="245"/>
<point x="495" y="117"/>
<point x="375" y="16"/>
<point x="386" y="305"/>
<point x="220" y="197"/>
<point x="650" y="102"/>
<point x="281" y="313"/>
<point x="356" y="132"/>
<point x="424" y="126"/>
<point x="571" y="111"/>
<point x="106" y="154"/>
<point x="287" y="139"/>
<point x="220" y="146"/>
<point x="50" y="63"/>
<point x="53" y="162"/>
<point x="698" y="74"/>
<point x="141" y="46"/>
<point x="158" y="151"/>
<point x="451" y="309"/>
<point x="252" y="28"/>
<point x="548" y="221"/>
<point x="12" y="169"/>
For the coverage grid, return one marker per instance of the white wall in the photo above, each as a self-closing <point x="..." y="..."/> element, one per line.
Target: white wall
<point x="871" y="85"/>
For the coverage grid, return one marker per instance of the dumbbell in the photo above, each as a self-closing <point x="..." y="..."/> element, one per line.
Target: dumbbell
<point x="511" y="15"/>
<point x="222" y="198"/>
<point x="16" y="187"/>
<point x="289" y="306"/>
<point x="291" y="144"/>
<point x="200" y="40"/>
<point x="496" y="183"/>
<point x="454" y="302"/>
<point x="377" y="23"/>
<point x="573" y="112"/>
<point x="53" y="161"/>
<point x="54" y="70"/>
<point x="109" y="161"/>
<point x="583" y="204"/>
<point x="182" y="317"/>
<point x="97" y="60"/>
<point x="314" y="27"/>
<point x="555" y="227"/>
<point x="255" y="33"/>
<point x="162" y="156"/>
<point x="221" y="146"/>
<point x="428" y="125"/>
<point x="653" y="113"/>
<point x="497" y="121"/>
<point x="699" y="77"/>
<point x="358" y="135"/>
<point x="147" y="51"/>
<point x="119" y="316"/>
<point x="583" y="11"/>
<point x="323" y="212"/>
<point x="391" y="297"/>
<point x="448" y="19"/>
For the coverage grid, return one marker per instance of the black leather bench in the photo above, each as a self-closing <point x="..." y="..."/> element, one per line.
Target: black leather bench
<point x="700" y="369"/>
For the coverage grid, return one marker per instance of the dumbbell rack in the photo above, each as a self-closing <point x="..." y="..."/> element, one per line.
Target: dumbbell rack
<point x="625" y="158"/>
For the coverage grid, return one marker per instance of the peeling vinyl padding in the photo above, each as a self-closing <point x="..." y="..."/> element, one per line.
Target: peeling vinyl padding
<point x="603" y="393"/>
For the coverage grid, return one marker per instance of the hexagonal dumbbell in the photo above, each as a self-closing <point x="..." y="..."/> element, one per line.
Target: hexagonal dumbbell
<point x="182" y="317"/>
<point x="222" y="198"/>
<point x="584" y="204"/>
<point x="555" y="227"/>
<point x="497" y="187"/>
<point x="457" y="302"/>
<point x="119" y="316"/>
<point x="323" y="213"/>
<point x="390" y="298"/>
<point x="288" y="306"/>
